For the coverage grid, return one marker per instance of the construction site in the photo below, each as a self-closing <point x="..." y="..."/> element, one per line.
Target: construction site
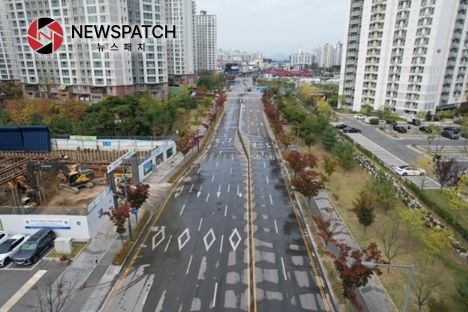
<point x="56" y="182"/>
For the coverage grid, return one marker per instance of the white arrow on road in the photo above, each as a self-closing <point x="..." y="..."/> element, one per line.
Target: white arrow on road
<point x="199" y="191"/>
<point x="219" y="191"/>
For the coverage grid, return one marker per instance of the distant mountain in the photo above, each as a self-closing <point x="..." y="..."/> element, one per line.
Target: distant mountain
<point x="279" y="57"/>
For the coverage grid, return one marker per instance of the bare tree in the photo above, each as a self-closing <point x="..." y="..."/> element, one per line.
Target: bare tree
<point x="424" y="286"/>
<point x="53" y="294"/>
<point x="389" y="236"/>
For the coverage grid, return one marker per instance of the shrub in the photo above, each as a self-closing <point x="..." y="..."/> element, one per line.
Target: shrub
<point x="374" y="121"/>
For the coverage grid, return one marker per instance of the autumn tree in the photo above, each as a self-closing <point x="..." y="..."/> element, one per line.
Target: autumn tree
<point x="118" y="216"/>
<point x="137" y="196"/>
<point x="381" y="187"/>
<point x="363" y="207"/>
<point x="447" y="171"/>
<point x="352" y="271"/>
<point x="326" y="229"/>
<point x="295" y="161"/>
<point x="308" y="183"/>
<point x="330" y="165"/>
<point x="425" y="164"/>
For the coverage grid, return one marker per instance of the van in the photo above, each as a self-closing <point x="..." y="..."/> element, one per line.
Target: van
<point x="34" y="247"/>
<point x="413" y="120"/>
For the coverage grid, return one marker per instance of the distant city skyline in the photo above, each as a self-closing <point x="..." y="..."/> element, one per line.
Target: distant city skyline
<point x="276" y="26"/>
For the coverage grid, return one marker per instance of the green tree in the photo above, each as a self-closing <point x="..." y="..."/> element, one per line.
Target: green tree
<point x="35" y="118"/>
<point x="60" y="125"/>
<point x="345" y="153"/>
<point x="363" y="207"/>
<point x="329" y="138"/>
<point x="381" y="187"/>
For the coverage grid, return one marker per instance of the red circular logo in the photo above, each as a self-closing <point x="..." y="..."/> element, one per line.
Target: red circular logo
<point x="45" y="35"/>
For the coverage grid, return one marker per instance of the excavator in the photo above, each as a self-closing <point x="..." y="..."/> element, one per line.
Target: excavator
<point x="71" y="180"/>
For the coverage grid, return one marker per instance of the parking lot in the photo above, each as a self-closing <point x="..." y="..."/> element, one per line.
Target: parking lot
<point x="21" y="285"/>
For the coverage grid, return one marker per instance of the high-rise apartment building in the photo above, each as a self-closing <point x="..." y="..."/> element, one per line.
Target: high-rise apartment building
<point x="408" y="55"/>
<point x="206" y="29"/>
<point x="301" y="59"/>
<point x="181" y="51"/>
<point x="89" y="69"/>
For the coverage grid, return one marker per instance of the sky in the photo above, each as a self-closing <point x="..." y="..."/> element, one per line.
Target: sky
<point x="276" y="26"/>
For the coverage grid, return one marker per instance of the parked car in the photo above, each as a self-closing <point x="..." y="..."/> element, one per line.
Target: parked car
<point x="413" y="120"/>
<point x="400" y="129"/>
<point x="340" y="126"/>
<point x="406" y="170"/>
<point x="351" y="130"/>
<point x="450" y="134"/>
<point x="10" y="247"/>
<point x="34" y="247"/>
<point x="3" y="236"/>
<point x="359" y="116"/>
<point x="452" y="128"/>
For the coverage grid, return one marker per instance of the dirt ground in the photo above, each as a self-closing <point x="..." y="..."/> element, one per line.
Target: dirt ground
<point x="83" y="198"/>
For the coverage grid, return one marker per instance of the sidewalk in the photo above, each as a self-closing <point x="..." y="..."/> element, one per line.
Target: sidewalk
<point x="92" y="272"/>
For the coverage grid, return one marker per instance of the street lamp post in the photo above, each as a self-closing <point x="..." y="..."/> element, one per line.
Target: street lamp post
<point x="409" y="284"/>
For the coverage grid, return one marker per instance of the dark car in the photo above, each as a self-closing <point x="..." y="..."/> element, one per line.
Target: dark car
<point x="425" y="129"/>
<point x="34" y="247"/>
<point x="450" y="134"/>
<point x="340" y="126"/>
<point x="400" y="129"/>
<point x="351" y="130"/>
<point x="452" y="128"/>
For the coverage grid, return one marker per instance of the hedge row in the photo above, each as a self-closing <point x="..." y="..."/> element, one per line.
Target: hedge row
<point x="447" y="216"/>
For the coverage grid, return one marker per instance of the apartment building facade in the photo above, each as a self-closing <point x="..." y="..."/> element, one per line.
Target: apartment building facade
<point x="407" y="55"/>
<point x="181" y="51"/>
<point x="89" y="69"/>
<point x="206" y="29"/>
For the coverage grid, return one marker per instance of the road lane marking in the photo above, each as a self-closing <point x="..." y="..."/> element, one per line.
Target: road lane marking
<point x="214" y="295"/>
<point x="207" y="196"/>
<point x="160" y="302"/>
<point x="230" y="171"/>
<point x="271" y="199"/>
<point x="276" y="227"/>
<point x="218" y="193"/>
<point x="199" y="191"/>
<point x="191" y="188"/>
<point x="198" y="171"/>
<point x="180" y="239"/>
<point x="23" y="290"/>
<point x="199" y="225"/>
<point x="161" y="232"/>
<point x="229" y="188"/>
<point x="212" y="178"/>
<point x="225" y="211"/>
<point x="284" y="270"/>
<point x="182" y="210"/>
<point x="211" y="237"/>
<point x="168" y="242"/>
<point x="189" y="263"/>
<point x="264" y="164"/>
<point x="221" y="247"/>
<point x="268" y="181"/>
<point x="217" y="162"/>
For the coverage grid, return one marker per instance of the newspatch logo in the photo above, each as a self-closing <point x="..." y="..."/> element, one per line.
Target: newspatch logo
<point x="45" y="35"/>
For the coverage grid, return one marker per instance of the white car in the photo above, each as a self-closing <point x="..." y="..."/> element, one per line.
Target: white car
<point x="406" y="170"/>
<point x="359" y="116"/>
<point x="10" y="247"/>
<point x="3" y="237"/>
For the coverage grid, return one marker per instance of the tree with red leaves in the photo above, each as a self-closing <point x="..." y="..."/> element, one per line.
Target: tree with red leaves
<point x="221" y="99"/>
<point x="118" y="216"/>
<point x="353" y="272"/>
<point x="327" y="230"/>
<point x="308" y="183"/>
<point x="185" y="144"/>
<point x="295" y="161"/>
<point x="137" y="195"/>
<point x="271" y="111"/>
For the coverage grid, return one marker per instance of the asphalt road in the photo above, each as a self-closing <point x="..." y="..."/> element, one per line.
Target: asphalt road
<point x="196" y="257"/>
<point x="283" y="273"/>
